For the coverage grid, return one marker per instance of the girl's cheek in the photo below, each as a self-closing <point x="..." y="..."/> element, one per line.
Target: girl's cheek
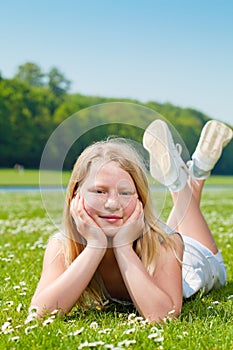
<point x="129" y="209"/>
<point x="89" y="209"/>
<point x="92" y="203"/>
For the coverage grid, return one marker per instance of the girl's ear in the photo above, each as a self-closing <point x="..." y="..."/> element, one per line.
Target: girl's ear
<point x="75" y="194"/>
<point x="76" y="191"/>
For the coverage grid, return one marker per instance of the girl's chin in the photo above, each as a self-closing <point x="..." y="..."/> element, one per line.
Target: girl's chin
<point x="110" y="231"/>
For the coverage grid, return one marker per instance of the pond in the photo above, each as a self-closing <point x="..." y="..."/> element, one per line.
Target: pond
<point x="59" y="188"/>
<point x="31" y="188"/>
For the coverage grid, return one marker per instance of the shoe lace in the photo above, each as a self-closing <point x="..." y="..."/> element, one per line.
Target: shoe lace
<point x="179" y="148"/>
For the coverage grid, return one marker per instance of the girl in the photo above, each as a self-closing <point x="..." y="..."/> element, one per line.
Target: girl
<point x="113" y="247"/>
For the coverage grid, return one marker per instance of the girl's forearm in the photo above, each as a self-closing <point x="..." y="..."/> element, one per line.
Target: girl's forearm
<point x="64" y="292"/>
<point x="150" y="300"/>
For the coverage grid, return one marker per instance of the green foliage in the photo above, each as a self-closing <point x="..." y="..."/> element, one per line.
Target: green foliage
<point x="205" y="322"/>
<point x="34" y="103"/>
<point x="31" y="74"/>
<point x="25" y="120"/>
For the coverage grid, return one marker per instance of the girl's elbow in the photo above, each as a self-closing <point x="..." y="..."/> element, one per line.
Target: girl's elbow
<point x="40" y="309"/>
<point x="174" y="311"/>
<point x="167" y="312"/>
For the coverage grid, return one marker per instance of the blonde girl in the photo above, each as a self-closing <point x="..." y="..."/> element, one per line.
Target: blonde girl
<point x="112" y="245"/>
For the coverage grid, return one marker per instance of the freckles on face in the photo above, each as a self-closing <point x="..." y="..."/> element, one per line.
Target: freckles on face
<point x="109" y="191"/>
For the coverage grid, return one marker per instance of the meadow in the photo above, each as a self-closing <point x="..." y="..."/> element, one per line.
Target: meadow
<point x="206" y="322"/>
<point x="33" y="177"/>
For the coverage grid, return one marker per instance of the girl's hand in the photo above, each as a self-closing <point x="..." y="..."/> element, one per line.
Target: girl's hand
<point x="131" y="229"/>
<point x="86" y="226"/>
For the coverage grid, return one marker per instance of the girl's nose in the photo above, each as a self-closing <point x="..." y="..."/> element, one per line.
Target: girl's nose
<point x="112" y="203"/>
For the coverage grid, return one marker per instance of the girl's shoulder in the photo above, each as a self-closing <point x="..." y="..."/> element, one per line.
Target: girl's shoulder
<point x="171" y="233"/>
<point x="55" y="251"/>
<point x="176" y="247"/>
<point x="57" y="244"/>
<point x="59" y="236"/>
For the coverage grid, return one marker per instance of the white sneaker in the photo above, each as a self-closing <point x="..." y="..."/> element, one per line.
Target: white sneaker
<point x="214" y="137"/>
<point x="166" y="164"/>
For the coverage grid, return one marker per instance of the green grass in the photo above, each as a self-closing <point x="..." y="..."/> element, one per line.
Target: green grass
<point x="205" y="322"/>
<point x="31" y="177"/>
<point x="218" y="180"/>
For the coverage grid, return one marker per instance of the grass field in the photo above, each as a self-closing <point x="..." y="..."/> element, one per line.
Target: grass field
<point x="29" y="177"/>
<point x="205" y="322"/>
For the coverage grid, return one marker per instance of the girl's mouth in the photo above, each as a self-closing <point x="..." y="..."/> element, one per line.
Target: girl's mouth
<point x="111" y="218"/>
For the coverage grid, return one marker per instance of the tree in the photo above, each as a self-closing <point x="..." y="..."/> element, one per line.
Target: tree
<point x="57" y="82"/>
<point x="31" y="74"/>
<point x="34" y="103"/>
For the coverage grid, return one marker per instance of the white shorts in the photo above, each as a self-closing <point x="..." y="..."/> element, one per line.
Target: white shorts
<point x="201" y="269"/>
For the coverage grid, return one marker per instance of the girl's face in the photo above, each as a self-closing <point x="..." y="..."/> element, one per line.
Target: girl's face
<point x="110" y="195"/>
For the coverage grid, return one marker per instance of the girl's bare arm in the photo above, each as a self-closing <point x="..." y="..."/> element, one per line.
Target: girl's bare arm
<point x="60" y="287"/>
<point x="154" y="296"/>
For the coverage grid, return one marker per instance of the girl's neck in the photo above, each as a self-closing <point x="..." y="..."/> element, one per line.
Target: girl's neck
<point x="111" y="277"/>
<point x="109" y="257"/>
<point x="108" y="265"/>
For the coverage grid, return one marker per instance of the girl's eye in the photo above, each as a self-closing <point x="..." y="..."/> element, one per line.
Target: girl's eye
<point x="126" y="193"/>
<point x="100" y="191"/>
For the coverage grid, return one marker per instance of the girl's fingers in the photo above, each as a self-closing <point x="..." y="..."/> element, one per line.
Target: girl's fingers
<point x="72" y="204"/>
<point x="80" y="205"/>
<point x="76" y="205"/>
<point x="81" y="211"/>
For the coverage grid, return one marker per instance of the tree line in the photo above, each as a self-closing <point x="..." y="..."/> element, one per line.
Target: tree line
<point x="34" y="103"/>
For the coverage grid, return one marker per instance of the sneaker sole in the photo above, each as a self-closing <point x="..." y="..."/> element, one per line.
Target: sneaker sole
<point x="154" y="141"/>
<point x="166" y="165"/>
<point x="214" y="137"/>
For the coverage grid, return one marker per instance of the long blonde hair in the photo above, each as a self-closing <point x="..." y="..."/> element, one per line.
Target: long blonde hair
<point x="146" y="247"/>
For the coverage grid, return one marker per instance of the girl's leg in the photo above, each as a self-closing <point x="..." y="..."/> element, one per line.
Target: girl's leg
<point x="168" y="168"/>
<point x="186" y="216"/>
<point x="197" y="187"/>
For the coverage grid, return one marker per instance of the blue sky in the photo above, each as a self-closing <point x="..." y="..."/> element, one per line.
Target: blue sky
<point x="178" y="51"/>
